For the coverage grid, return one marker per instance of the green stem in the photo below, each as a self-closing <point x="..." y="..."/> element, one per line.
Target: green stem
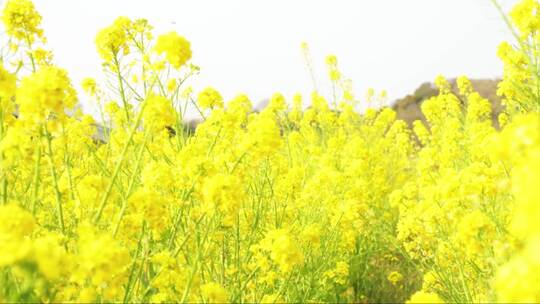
<point x="68" y="166"/>
<point x="36" y="179"/>
<point x="195" y="268"/>
<point x="117" y="168"/>
<point x="130" y="187"/>
<point x="3" y="166"/>
<point x="121" y="83"/>
<point x="133" y="266"/>
<point x="4" y="189"/>
<point x="55" y="181"/>
<point x="32" y="61"/>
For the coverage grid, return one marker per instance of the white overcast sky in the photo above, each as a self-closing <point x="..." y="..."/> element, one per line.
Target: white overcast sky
<point x="253" y="47"/>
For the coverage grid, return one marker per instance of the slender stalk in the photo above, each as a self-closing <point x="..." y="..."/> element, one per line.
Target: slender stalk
<point x="130" y="187"/>
<point x="55" y="180"/>
<point x="68" y="166"/>
<point x="4" y="189"/>
<point x="117" y="167"/>
<point x="121" y="84"/>
<point x="32" y="61"/>
<point x="309" y="65"/>
<point x="4" y="172"/>
<point x="195" y="268"/>
<point x="36" y="179"/>
<point x="133" y="266"/>
<point x="506" y="20"/>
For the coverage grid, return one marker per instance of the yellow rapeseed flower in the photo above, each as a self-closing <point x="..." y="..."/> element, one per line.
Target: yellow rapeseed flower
<point x="176" y="48"/>
<point x="22" y="21"/>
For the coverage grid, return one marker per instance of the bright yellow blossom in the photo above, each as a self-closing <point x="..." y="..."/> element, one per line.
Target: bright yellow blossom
<point x="209" y="98"/>
<point x="45" y="92"/>
<point x="176" y="48"/>
<point x="22" y="21"/>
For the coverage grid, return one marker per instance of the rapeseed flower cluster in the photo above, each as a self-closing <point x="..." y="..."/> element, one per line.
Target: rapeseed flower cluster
<point x="288" y="204"/>
<point x="176" y="48"/>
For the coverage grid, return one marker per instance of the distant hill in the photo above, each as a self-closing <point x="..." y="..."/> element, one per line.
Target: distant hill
<point x="408" y="108"/>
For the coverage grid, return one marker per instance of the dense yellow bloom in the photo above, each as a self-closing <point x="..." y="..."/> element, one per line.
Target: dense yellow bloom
<point x="176" y="48"/>
<point x="7" y="84"/>
<point x="16" y="145"/>
<point x="15" y="222"/>
<point x="425" y="297"/>
<point x="15" y="226"/>
<point x="7" y="90"/>
<point x="312" y="235"/>
<point x="214" y="293"/>
<point x="209" y="98"/>
<point x="277" y="103"/>
<point x="442" y="84"/>
<point x="308" y="202"/>
<point x="51" y="257"/>
<point x="22" y="21"/>
<point x="103" y="261"/>
<point x="158" y="113"/>
<point x="283" y="250"/>
<point x="45" y="92"/>
<point x="263" y="136"/>
<point x="223" y="193"/>
<point x="158" y="175"/>
<point x="516" y="279"/>
<point x="525" y="16"/>
<point x="464" y="85"/>
<point x="272" y="298"/>
<point x="114" y="39"/>
<point x="45" y="252"/>
<point x="153" y="207"/>
<point x="474" y="232"/>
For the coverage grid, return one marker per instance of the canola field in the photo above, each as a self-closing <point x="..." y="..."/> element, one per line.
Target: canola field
<point x="289" y="204"/>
